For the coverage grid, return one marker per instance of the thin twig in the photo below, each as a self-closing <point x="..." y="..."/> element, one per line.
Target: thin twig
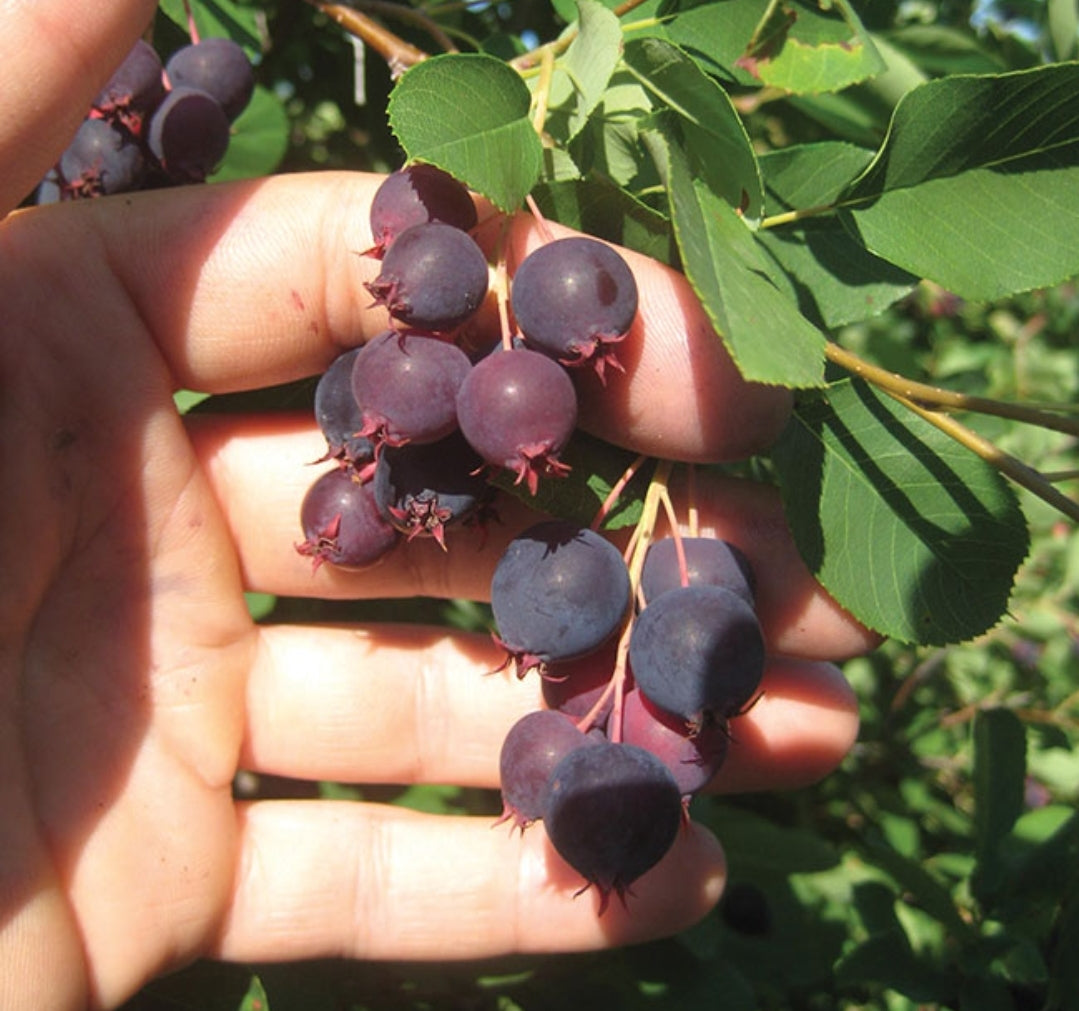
<point x="413" y="16"/>
<point x="527" y="61"/>
<point x="935" y="398"/>
<point x="398" y="54"/>
<point x="1010" y="466"/>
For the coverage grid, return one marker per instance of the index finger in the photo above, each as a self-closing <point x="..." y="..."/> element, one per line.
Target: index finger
<point x="257" y="283"/>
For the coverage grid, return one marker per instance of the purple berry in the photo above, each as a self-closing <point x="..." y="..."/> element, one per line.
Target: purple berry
<point x="574" y="299"/>
<point x="434" y="277"/>
<point x="559" y="591"/>
<point x="518" y="409"/>
<point x="217" y="66"/>
<point x="697" y="652"/>
<point x="342" y="524"/>
<point x="416" y="195"/>
<point x="406" y="387"/>
<point x="613" y="811"/>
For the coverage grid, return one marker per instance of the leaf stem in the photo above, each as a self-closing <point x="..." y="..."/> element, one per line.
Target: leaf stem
<point x="527" y="61"/>
<point x="938" y="399"/>
<point x="619" y="486"/>
<point x="1023" y="475"/>
<point x="790" y="217"/>
<point x="543" y="89"/>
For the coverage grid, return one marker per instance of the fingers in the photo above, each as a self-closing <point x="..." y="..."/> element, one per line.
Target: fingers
<point x="358" y="880"/>
<point x="259" y="474"/>
<point x="257" y="283"/>
<point x="404" y="704"/>
<point x="54" y="58"/>
<point x="681" y="396"/>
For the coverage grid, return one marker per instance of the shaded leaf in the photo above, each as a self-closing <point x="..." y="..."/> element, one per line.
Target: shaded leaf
<point x="599" y="208"/>
<point x="835" y="278"/>
<point x="766" y="335"/>
<point x="493" y="149"/>
<point x="999" y="775"/>
<point x="582" y="75"/>
<point x="609" y="143"/>
<point x="977" y="184"/>
<point x="714" y="137"/>
<point x="218" y="18"/>
<point x="913" y="534"/>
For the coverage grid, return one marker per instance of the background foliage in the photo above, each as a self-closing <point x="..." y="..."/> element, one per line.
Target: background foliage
<point x="939" y="867"/>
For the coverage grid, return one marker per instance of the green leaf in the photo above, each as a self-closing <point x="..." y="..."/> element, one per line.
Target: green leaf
<point x="835" y="278"/>
<point x="609" y="145"/>
<point x="803" y="48"/>
<point x="582" y="75"/>
<point x="999" y="776"/>
<point x="599" y="208"/>
<point x="817" y="48"/>
<point x="255" y="999"/>
<point x="917" y="537"/>
<point x="977" y="184"/>
<point x="259" y="139"/>
<point x="1064" y="28"/>
<point x="886" y="957"/>
<point x="715" y="139"/>
<point x="766" y="335"/>
<point x="218" y="18"/>
<point x="493" y="148"/>
<point x="941" y="49"/>
<point x="755" y="845"/>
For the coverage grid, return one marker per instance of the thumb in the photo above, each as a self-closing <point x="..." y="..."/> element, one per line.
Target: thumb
<point x="54" y="58"/>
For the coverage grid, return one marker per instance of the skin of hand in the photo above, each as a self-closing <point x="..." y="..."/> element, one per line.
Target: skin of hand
<point x="133" y="683"/>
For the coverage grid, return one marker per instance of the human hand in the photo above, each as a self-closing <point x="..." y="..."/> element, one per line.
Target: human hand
<point x="135" y="685"/>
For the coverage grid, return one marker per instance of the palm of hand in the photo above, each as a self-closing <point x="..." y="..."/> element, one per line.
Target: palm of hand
<point x="135" y="684"/>
<point x="125" y="661"/>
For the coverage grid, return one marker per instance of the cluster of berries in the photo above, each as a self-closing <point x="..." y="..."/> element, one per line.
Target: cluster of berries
<point x="416" y="423"/>
<point x="640" y="684"/>
<point x="156" y="124"/>
<point x="641" y="673"/>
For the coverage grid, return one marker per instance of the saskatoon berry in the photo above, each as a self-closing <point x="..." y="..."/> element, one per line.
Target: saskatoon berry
<point x="433" y="277"/>
<point x="423" y="488"/>
<point x="406" y="387"/>
<point x="217" y="66"/>
<point x="709" y="562"/>
<point x="559" y="591"/>
<point x="518" y="409"/>
<point x="135" y="89"/>
<point x="103" y="158"/>
<point x="613" y="811"/>
<point x="697" y="652"/>
<point x="416" y="195"/>
<point x="341" y="523"/>
<point x="338" y="415"/>
<point x="189" y="134"/>
<point x="533" y="747"/>
<point x="573" y="298"/>
<point x="574" y="686"/>
<point x="692" y="758"/>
